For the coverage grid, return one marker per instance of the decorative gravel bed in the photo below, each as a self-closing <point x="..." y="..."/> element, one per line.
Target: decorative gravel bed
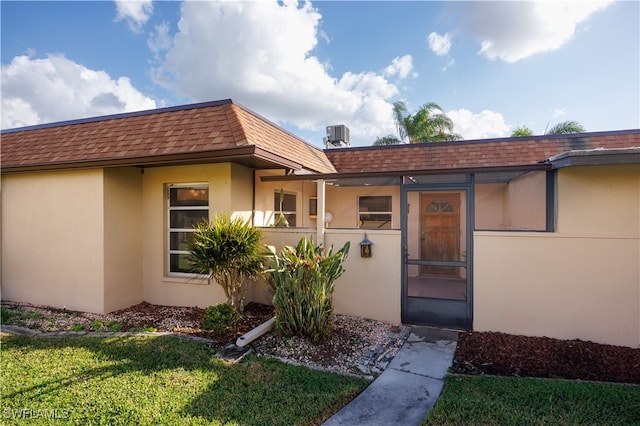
<point x="357" y="345"/>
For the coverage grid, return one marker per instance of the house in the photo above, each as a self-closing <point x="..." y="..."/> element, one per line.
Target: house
<point x="534" y="236"/>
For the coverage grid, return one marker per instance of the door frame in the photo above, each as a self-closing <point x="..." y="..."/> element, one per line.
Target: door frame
<point x="437" y="312"/>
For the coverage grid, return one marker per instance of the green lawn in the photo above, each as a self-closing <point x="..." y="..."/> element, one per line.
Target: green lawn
<point x="158" y="380"/>
<point x="520" y="401"/>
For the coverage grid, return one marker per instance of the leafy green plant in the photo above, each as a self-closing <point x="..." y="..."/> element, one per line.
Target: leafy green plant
<point x="77" y="327"/>
<point x="230" y="252"/>
<point x="97" y="325"/>
<point x="302" y="279"/>
<point x="113" y="326"/>
<point x="220" y="318"/>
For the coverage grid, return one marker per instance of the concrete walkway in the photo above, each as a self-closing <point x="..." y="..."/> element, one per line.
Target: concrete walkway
<point x="409" y="387"/>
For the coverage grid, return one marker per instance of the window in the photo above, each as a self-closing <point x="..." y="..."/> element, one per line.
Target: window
<point x="188" y="205"/>
<point x="374" y="212"/>
<point x="439" y="206"/>
<point x="284" y="207"/>
<point x="313" y="207"/>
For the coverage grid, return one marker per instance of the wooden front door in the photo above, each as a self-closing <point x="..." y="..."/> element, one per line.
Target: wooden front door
<point x="440" y="231"/>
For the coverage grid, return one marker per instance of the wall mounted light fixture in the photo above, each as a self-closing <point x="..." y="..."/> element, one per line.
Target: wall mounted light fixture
<point x="328" y="217"/>
<point x="365" y="247"/>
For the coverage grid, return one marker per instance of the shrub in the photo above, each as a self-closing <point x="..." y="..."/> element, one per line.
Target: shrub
<point x="230" y="252"/>
<point x="113" y="326"/>
<point x="97" y="325"/>
<point x="303" y="279"/>
<point x="220" y="318"/>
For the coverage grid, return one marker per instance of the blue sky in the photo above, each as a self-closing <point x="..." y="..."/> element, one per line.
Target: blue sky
<point x="492" y="66"/>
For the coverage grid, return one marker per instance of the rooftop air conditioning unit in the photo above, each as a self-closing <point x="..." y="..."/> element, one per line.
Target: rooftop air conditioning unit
<point x="337" y="136"/>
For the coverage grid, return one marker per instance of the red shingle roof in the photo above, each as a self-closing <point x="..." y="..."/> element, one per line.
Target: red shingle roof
<point x="226" y="131"/>
<point x="470" y="154"/>
<point x="139" y="137"/>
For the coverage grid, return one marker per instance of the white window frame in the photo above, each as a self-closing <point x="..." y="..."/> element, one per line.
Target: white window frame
<point x="390" y="213"/>
<point x="170" y="230"/>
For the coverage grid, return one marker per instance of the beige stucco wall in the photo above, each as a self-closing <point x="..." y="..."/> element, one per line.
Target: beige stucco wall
<point x="582" y="281"/>
<point x="230" y="190"/>
<point x="525" y="203"/>
<point x="489" y="203"/>
<point x="122" y="238"/>
<point x="370" y="287"/>
<point x="599" y="200"/>
<point x="53" y="239"/>
<point x="515" y="205"/>
<point x="240" y="193"/>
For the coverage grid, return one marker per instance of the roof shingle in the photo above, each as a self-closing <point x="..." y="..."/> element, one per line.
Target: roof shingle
<point x="470" y="154"/>
<point x="198" y="128"/>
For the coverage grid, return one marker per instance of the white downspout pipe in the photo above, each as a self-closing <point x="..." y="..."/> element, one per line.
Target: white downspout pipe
<point x="252" y="335"/>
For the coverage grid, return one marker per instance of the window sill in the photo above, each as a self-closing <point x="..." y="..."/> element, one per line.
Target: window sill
<point x="193" y="279"/>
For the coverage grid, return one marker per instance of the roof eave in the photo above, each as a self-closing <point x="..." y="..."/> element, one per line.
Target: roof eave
<point x="415" y="172"/>
<point x="596" y="157"/>
<point x="249" y="155"/>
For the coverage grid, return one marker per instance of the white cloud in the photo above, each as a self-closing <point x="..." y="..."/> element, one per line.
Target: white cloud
<point x="135" y="12"/>
<point x="261" y="55"/>
<point x="36" y="91"/>
<point x="486" y="124"/>
<point x="160" y="39"/>
<point x="401" y="66"/>
<point x="451" y="62"/>
<point x="439" y="44"/>
<point x="559" y="112"/>
<point x="512" y="31"/>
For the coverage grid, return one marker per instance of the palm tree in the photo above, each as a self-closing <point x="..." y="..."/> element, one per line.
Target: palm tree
<point x="565" y="127"/>
<point x="387" y="140"/>
<point x="521" y="131"/>
<point x="428" y="124"/>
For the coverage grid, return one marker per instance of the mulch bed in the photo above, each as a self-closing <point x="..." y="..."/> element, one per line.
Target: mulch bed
<point x="509" y="355"/>
<point x="254" y="314"/>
